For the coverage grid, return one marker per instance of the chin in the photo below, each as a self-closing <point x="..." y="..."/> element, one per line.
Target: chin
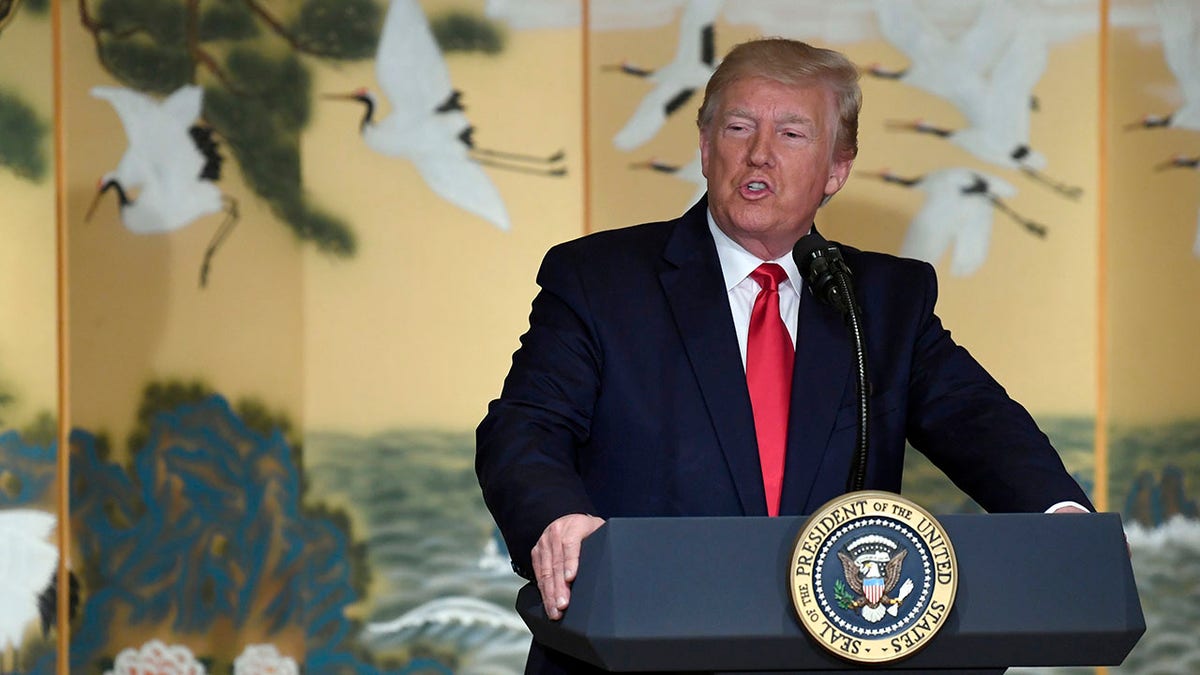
<point x="755" y="220"/>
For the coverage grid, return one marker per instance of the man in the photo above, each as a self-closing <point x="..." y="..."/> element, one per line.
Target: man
<point x="629" y="394"/>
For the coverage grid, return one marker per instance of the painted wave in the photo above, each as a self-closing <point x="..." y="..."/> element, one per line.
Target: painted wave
<point x="441" y="579"/>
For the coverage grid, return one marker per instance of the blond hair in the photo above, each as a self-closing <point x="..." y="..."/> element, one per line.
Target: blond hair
<point x="791" y="62"/>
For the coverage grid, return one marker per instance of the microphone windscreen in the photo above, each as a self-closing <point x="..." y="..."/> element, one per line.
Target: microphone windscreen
<point x="804" y="249"/>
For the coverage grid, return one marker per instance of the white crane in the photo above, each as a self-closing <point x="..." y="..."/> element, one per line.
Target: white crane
<point x="171" y="161"/>
<point x="28" y="561"/>
<point x="692" y="172"/>
<point x="949" y="69"/>
<point x="989" y="74"/>
<point x="1181" y="162"/>
<point x="1180" y="24"/>
<point x="958" y="212"/>
<point x="676" y="82"/>
<point x="427" y="125"/>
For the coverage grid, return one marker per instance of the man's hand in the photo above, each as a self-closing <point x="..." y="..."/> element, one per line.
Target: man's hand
<point x="1075" y="508"/>
<point x="556" y="559"/>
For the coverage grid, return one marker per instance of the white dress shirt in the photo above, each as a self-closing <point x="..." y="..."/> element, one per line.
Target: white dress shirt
<point x="736" y="265"/>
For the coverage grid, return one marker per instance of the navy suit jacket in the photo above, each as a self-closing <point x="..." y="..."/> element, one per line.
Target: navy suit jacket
<point x="627" y="396"/>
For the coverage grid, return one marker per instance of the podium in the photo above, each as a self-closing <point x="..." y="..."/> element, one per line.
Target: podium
<point x="711" y="594"/>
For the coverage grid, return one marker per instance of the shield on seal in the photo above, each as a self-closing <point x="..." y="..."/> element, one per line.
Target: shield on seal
<point x="873" y="589"/>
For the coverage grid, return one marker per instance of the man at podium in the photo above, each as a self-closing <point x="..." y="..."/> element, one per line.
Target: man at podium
<point x="681" y="368"/>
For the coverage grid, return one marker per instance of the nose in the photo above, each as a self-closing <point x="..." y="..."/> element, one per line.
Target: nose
<point x="760" y="152"/>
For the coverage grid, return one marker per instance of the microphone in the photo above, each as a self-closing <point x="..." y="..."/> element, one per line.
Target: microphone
<point x="829" y="279"/>
<point x="821" y="265"/>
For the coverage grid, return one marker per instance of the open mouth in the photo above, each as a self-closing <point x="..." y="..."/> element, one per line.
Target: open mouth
<point x="755" y="188"/>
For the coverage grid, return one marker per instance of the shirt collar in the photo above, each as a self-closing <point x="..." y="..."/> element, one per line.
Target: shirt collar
<point x="737" y="263"/>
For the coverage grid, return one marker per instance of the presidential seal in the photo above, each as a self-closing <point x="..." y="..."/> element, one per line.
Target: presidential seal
<point x="873" y="577"/>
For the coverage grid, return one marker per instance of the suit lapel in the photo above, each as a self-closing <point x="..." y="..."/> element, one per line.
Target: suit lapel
<point x="823" y="371"/>
<point x="695" y="291"/>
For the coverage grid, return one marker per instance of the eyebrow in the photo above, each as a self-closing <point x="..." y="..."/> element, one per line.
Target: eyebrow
<point x="793" y="118"/>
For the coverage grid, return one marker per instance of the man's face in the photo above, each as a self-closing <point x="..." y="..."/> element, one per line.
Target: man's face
<point x="768" y="156"/>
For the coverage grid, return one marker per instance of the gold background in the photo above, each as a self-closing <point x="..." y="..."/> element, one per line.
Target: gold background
<point x="1097" y="322"/>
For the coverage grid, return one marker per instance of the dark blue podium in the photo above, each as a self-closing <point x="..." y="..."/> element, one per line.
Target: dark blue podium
<point x="711" y="594"/>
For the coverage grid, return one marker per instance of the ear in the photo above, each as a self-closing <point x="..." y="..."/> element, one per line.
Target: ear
<point x="704" y="151"/>
<point x="839" y="171"/>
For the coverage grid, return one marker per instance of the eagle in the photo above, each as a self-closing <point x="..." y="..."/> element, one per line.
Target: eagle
<point x="873" y="583"/>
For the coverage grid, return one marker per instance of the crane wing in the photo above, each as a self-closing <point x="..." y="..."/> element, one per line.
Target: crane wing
<point x="408" y="61"/>
<point x="134" y="110"/>
<point x="935" y="65"/>
<point x="696" y="32"/>
<point x="1180" y="22"/>
<point x="130" y="107"/>
<point x="973" y="236"/>
<point x="650" y="116"/>
<point x="978" y="48"/>
<point x="159" y="141"/>
<point x="903" y="25"/>
<point x="1003" y="112"/>
<point x="184" y="104"/>
<point x="21" y="523"/>
<point x="932" y="228"/>
<point x="463" y="183"/>
<point x="27" y="559"/>
<point x="175" y="148"/>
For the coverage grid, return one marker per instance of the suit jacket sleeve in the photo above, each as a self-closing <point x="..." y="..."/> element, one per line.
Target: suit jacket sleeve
<point x="526" y="445"/>
<point x="968" y="426"/>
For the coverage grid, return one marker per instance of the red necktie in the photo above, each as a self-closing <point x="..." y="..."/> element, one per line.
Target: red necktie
<point x="769" y="358"/>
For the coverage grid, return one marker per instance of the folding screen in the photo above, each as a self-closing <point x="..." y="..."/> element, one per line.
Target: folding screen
<point x="283" y="317"/>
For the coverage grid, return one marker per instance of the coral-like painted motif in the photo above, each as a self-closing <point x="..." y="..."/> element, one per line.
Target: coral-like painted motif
<point x="206" y="523"/>
<point x="156" y="658"/>
<point x="264" y="659"/>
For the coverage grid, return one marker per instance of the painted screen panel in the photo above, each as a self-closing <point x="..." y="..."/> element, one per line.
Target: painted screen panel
<point x="1152" y="279"/>
<point x="28" y="342"/>
<point x="276" y="465"/>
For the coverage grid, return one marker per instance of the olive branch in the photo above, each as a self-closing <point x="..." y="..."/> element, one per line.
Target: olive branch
<point x="845" y="599"/>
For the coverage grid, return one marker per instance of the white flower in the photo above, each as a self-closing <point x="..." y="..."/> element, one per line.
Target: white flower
<point x="264" y="660"/>
<point x="155" y="658"/>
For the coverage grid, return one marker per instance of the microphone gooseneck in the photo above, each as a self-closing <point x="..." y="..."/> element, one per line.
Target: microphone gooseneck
<point x="830" y="281"/>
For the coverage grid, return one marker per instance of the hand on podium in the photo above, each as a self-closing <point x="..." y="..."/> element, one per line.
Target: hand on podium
<point x="556" y="559"/>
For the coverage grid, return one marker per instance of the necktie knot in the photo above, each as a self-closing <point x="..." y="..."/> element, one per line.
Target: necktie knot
<point x="769" y="276"/>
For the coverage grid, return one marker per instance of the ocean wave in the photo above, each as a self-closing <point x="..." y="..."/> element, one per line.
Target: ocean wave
<point x="446" y="582"/>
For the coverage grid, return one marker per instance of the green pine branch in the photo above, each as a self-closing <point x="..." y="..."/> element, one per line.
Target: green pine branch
<point x="459" y="31"/>
<point x="22" y="138"/>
